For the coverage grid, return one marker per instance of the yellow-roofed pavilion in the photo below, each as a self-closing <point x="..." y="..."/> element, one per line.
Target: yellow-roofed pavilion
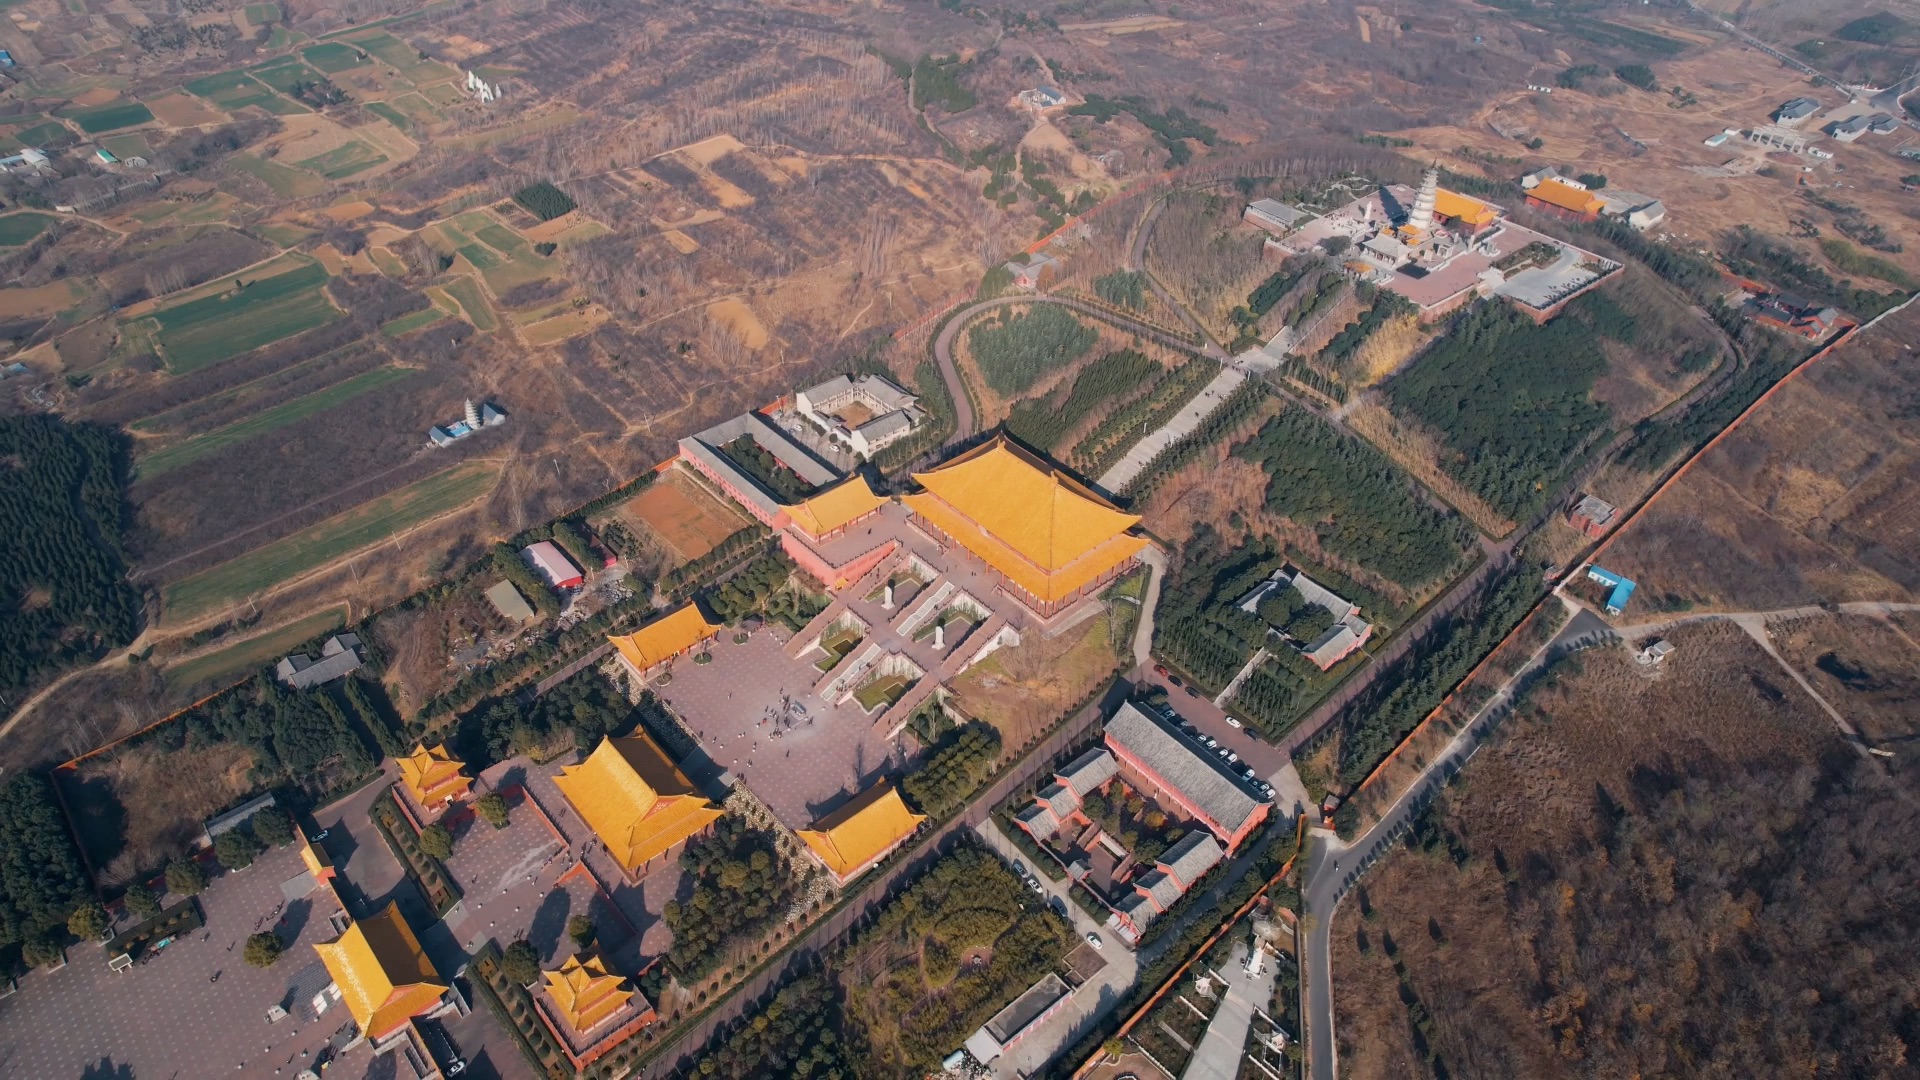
<point x="663" y="639"/>
<point x="824" y="514"/>
<point x="1049" y="537"/>
<point x="862" y="832"/>
<point x="635" y="800"/>
<point x="1457" y="207"/>
<point x="434" y="776"/>
<point x="385" y="979"/>
<point x="586" y="994"/>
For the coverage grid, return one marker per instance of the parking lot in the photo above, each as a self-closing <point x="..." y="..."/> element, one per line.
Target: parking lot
<point x="1205" y="720"/>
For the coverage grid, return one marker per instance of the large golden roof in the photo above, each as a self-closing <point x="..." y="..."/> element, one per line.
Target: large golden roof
<point x="862" y="830"/>
<point x="383" y="975"/>
<point x="1026" y="519"/>
<point x="666" y="637"/>
<point x="833" y="508"/>
<point x="433" y="774"/>
<point x="1556" y="192"/>
<point x="1455" y="206"/>
<point x="634" y="799"/>
<point x="586" y="993"/>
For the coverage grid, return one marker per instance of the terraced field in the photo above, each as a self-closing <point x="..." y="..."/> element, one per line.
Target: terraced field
<point x="311" y="548"/>
<point x="227" y="323"/>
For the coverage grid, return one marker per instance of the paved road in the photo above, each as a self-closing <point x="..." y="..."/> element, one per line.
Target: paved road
<point x="1218" y="1055"/>
<point x="1333" y="865"/>
<point x="1178" y="427"/>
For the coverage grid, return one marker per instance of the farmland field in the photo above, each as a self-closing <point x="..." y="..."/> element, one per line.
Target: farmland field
<point x="466" y="292"/>
<point x="215" y="327"/>
<point x="262" y="14"/>
<point x="390" y="114"/>
<point x="50" y="134"/>
<point x="314" y="547"/>
<point x="333" y="56"/>
<point x="108" y="117"/>
<point x="17" y="229"/>
<point x="502" y="238"/>
<point x="283" y="73"/>
<point x="286" y="183"/>
<point x="299" y="408"/>
<point x="237" y="658"/>
<point x="419" y="320"/>
<point x="343" y="161"/>
<point x="236" y="90"/>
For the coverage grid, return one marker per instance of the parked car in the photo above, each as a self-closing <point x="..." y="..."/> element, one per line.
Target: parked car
<point x="1160" y="670"/>
<point x="1175" y="680"/>
<point x="1020" y="868"/>
<point x="1231" y="722"/>
<point x="1034" y="884"/>
<point x="1233" y="757"/>
<point x="1191" y="692"/>
<point x="1093" y="939"/>
<point x="1211" y="742"/>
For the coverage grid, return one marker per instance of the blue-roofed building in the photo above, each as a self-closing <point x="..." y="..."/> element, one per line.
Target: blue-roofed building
<point x="106" y="156"/>
<point x="6" y="58"/>
<point x="1620" y="589"/>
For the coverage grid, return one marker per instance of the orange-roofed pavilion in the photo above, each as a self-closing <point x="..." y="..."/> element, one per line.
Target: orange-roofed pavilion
<point x="827" y="513"/>
<point x="635" y="800"/>
<point x="385" y="978"/>
<point x="434" y="776"/>
<point x="862" y="832"/>
<point x="1049" y="537"/>
<point x="663" y="639"/>
<point x="586" y="994"/>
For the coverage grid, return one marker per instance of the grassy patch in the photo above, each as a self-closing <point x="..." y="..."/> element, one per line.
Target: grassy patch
<point x="17" y="229"/>
<point x="228" y="323"/>
<point x="285" y="182"/>
<point x="343" y="161"/>
<point x="266" y="420"/>
<point x="419" y="320"/>
<point x="53" y="133"/>
<point x="283" y="73"/>
<point x="466" y="293"/>
<point x="127" y="146"/>
<point x="240" y="657"/>
<point x="333" y="56"/>
<point x="108" y="117"/>
<point x="314" y="547"/>
<point x="501" y="238"/>
<point x="482" y="257"/>
<point x="262" y="14"/>
<point x="283" y="234"/>
<point x="390" y="114"/>
<point x="236" y="90"/>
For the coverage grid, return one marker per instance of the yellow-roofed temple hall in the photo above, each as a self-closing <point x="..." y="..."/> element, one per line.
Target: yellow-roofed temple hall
<point x="434" y="777"/>
<point x="635" y="800"/>
<point x="384" y="977"/>
<point x="589" y="1008"/>
<point x="862" y="832"/>
<point x="828" y="513"/>
<point x="1050" y="539"/>
<point x="651" y="647"/>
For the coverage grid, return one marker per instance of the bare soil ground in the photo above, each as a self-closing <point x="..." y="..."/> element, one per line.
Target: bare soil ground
<point x="1809" y="501"/>
<point x="1023" y="690"/>
<point x="420" y="642"/>
<point x="1865" y="666"/>
<point x="681" y="512"/>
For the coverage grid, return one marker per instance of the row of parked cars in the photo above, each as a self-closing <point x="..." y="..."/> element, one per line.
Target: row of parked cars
<point x="1232" y="759"/>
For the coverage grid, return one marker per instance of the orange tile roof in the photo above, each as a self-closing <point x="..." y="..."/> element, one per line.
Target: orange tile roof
<point x="384" y="977"/>
<point x="835" y="507"/>
<point x="1559" y="193"/>
<point x="1453" y="205"/>
<point x="636" y="800"/>
<point x="1020" y="515"/>
<point x="866" y="828"/>
<point x="433" y="774"/>
<point x="318" y="862"/>
<point x="586" y="994"/>
<point x="665" y="638"/>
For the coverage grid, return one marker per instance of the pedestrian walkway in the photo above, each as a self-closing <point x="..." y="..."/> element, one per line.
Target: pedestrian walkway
<point x="1182" y="425"/>
<point x="1218" y="1055"/>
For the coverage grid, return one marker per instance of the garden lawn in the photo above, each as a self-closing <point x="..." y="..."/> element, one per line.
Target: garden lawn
<point x="311" y="548"/>
<point x="216" y="327"/>
<point x="266" y="420"/>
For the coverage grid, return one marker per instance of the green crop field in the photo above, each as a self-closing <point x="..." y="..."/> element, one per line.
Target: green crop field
<point x="213" y="328"/>
<point x="101" y="118"/>
<point x="281" y="234"/>
<point x="262" y="14"/>
<point x="17" y="229"/>
<point x="390" y="114"/>
<point x="241" y="657"/>
<point x="466" y="292"/>
<point x="281" y="74"/>
<point x="333" y="56"/>
<point x="419" y="320"/>
<point x="163" y="461"/>
<point x="389" y="48"/>
<point x="285" y="182"/>
<point x="236" y="90"/>
<point x="418" y="108"/>
<point x="127" y="146"/>
<point x="501" y="238"/>
<point x="46" y="136"/>
<point x="480" y="256"/>
<point x="343" y="161"/>
<point x="311" y="548"/>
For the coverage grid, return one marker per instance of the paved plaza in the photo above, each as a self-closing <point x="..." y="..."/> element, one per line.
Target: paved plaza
<point x="196" y="1009"/>
<point x="740" y="707"/>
